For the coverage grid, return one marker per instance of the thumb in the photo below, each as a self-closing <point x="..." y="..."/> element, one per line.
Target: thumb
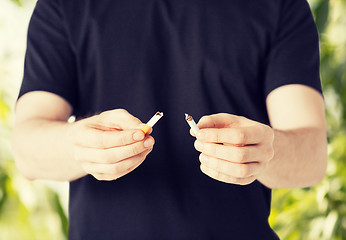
<point x="116" y="119"/>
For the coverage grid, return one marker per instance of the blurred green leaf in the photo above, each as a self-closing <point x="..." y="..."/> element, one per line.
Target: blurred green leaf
<point x="321" y="13"/>
<point x="59" y="209"/>
<point x="4" y="110"/>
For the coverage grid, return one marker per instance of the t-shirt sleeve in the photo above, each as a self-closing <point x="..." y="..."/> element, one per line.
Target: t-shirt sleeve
<point x="50" y="63"/>
<point x="294" y="55"/>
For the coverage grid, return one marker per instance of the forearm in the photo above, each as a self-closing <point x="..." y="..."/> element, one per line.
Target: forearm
<point x="42" y="150"/>
<point x="300" y="159"/>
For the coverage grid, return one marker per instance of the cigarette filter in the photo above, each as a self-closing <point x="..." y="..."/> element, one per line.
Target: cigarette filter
<point x="152" y="122"/>
<point x="192" y="123"/>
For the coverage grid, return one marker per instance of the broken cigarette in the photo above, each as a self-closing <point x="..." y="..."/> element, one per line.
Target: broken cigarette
<point x="192" y="123"/>
<point x="152" y="122"/>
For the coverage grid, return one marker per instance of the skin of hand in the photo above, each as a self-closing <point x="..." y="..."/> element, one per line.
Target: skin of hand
<point x="111" y="144"/>
<point x="46" y="146"/>
<point x="233" y="149"/>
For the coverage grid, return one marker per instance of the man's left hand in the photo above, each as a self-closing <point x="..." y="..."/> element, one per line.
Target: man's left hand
<point x="233" y="149"/>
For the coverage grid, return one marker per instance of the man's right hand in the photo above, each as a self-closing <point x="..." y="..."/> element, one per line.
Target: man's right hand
<point x="46" y="146"/>
<point x="110" y="145"/>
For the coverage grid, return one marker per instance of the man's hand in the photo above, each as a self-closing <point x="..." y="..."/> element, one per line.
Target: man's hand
<point x="110" y="145"/>
<point x="233" y="149"/>
<point x="46" y="146"/>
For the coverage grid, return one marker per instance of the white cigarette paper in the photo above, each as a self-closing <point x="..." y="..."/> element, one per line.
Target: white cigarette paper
<point x="152" y="122"/>
<point x="155" y="119"/>
<point x="191" y="123"/>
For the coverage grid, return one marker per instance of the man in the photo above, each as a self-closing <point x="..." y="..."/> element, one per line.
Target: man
<point x="248" y="69"/>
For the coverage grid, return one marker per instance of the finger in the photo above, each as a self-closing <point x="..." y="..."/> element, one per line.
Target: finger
<point x="103" y="177"/>
<point x="219" y="120"/>
<point x="233" y="154"/>
<point x="116" y="119"/>
<point x="113" y="155"/>
<point x="111" y="177"/>
<point x="237" y="136"/>
<point x="226" y="178"/>
<point x="95" y="138"/>
<point x="192" y="133"/>
<point x="238" y="170"/>
<point x="116" y="169"/>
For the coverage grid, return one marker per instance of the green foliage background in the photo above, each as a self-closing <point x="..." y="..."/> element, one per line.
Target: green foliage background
<point x="37" y="210"/>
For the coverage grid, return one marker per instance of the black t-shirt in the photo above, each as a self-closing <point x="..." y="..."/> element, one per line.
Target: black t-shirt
<point x="196" y="56"/>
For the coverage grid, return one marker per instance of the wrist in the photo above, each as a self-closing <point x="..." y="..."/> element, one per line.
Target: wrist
<point x="70" y="130"/>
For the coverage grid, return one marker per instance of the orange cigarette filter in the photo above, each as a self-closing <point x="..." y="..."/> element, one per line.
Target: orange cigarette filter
<point x="152" y="122"/>
<point x="146" y="128"/>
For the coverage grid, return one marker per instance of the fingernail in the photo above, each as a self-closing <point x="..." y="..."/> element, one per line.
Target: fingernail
<point x="148" y="143"/>
<point x="201" y="135"/>
<point x="138" y="136"/>
<point x="199" y="145"/>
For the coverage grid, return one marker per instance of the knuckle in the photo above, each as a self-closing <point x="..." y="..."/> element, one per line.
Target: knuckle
<point x="216" y="165"/>
<point x="136" y="149"/>
<point x="102" y="117"/>
<point x="129" y="169"/>
<point x="116" y="168"/>
<point x="124" y="138"/>
<point x="104" y="114"/>
<point x="204" y="118"/>
<point x="106" y="157"/>
<point x="241" y="137"/>
<point x="121" y="111"/>
<point x="245" y="119"/>
<point x="244" y="171"/>
<point x="242" y="156"/>
<point x="101" y="139"/>
<point x="218" y="137"/>
<point x="211" y="150"/>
